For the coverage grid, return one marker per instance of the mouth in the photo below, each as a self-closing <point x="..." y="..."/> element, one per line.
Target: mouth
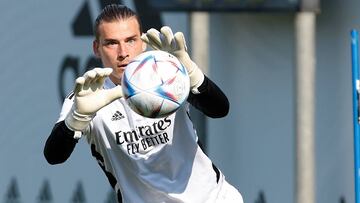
<point x="122" y="66"/>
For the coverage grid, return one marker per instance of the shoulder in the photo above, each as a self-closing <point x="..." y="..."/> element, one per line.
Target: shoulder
<point x="70" y="95"/>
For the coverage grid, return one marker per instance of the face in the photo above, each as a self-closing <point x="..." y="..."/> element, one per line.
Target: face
<point x="119" y="42"/>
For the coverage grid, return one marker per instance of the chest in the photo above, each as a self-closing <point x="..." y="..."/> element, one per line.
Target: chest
<point x="122" y="129"/>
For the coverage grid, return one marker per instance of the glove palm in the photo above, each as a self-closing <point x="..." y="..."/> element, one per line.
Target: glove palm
<point x="90" y="97"/>
<point x="165" y="40"/>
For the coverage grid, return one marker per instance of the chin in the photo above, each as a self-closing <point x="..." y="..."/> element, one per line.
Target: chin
<point x="116" y="78"/>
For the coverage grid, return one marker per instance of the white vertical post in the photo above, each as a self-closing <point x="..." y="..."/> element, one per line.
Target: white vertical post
<point x="305" y="105"/>
<point x="200" y="39"/>
<point x="199" y="31"/>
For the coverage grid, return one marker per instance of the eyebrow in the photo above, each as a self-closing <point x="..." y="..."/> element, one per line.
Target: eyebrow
<point x="110" y="40"/>
<point x="115" y="40"/>
<point x="131" y="37"/>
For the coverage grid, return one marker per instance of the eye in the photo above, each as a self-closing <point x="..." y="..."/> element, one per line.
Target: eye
<point x="131" y="41"/>
<point x="110" y="43"/>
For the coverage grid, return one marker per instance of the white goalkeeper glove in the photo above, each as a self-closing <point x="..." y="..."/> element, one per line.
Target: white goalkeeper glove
<point x="175" y="45"/>
<point x="90" y="97"/>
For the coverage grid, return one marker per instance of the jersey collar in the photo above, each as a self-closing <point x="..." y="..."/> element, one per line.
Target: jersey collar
<point x="108" y="84"/>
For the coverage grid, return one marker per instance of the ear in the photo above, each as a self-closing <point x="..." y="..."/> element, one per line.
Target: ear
<point x="96" y="48"/>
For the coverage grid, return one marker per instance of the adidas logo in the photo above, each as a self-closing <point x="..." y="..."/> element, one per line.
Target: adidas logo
<point x="117" y="116"/>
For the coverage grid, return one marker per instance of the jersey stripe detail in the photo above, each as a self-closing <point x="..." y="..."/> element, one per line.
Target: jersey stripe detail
<point x="119" y="196"/>
<point x="217" y="172"/>
<point x="110" y="176"/>
<point x="100" y="159"/>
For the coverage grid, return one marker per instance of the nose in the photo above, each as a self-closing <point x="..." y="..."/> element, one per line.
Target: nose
<point x="122" y="52"/>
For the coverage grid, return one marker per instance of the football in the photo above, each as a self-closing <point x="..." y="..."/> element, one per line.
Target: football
<point x="155" y="84"/>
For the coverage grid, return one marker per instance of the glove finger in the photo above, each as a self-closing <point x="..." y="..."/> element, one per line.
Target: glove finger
<point x="154" y="46"/>
<point x="89" y="78"/>
<point x="154" y="38"/>
<point x="103" y="73"/>
<point x="79" y="83"/>
<point x="99" y="76"/>
<point x="179" y="41"/>
<point x="107" y="71"/>
<point x="145" y="39"/>
<point x="167" y="36"/>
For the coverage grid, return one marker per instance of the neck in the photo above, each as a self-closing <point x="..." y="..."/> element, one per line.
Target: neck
<point x="115" y="80"/>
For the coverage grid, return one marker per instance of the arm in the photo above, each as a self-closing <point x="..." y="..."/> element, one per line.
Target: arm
<point x="211" y="100"/>
<point x="60" y="144"/>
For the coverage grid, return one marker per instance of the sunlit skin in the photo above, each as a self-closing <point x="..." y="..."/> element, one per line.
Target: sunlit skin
<point x="119" y="42"/>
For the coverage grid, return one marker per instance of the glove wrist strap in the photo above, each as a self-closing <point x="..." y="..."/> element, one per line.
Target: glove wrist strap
<point x="196" y="79"/>
<point x="76" y="121"/>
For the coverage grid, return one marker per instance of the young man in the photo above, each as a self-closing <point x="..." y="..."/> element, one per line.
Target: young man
<point x="173" y="170"/>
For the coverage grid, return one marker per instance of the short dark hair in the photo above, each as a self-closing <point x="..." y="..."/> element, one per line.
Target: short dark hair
<point x="114" y="12"/>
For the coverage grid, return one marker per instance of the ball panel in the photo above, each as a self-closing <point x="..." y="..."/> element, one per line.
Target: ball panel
<point x="143" y="74"/>
<point x="127" y="87"/>
<point x="155" y="84"/>
<point x="168" y="107"/>
<point x="145" y="104"/>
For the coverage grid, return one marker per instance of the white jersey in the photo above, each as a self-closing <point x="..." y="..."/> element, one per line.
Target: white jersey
<point x="150" y="160"/>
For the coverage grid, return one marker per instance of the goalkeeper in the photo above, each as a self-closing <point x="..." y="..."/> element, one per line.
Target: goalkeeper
<point x="173" y="171"/>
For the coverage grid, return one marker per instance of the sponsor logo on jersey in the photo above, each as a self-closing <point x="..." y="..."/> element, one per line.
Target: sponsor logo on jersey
<point x="117" y="116"/>
<point x="144" y="138"/>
